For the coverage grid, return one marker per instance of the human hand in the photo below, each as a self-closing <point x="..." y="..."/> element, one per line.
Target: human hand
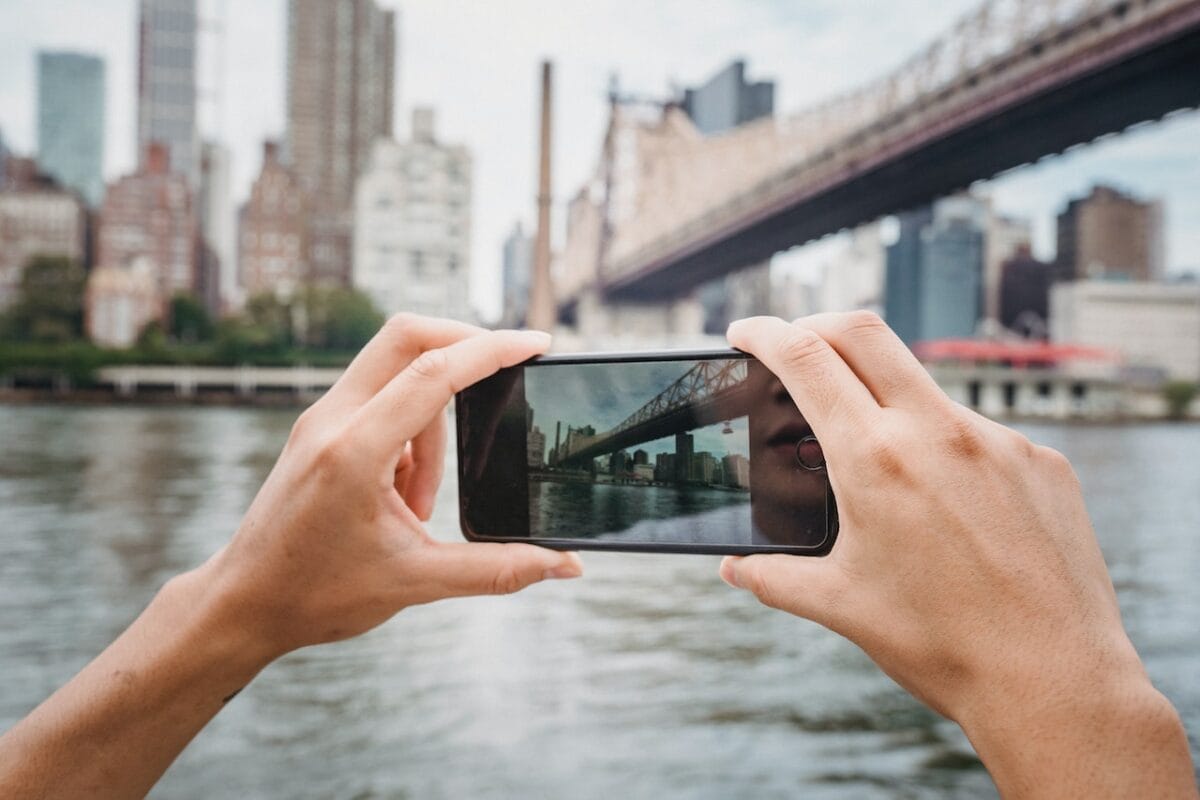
<point x="334" y="544"/>
<point x="966" y="566"/>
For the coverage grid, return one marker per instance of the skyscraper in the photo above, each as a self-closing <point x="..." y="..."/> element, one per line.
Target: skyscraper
<point x="71" y="122"/>
<point x="684" y="445"/>
<point x="934" y="286"/>
<point x="902" y="281"/>
<point x="412" y="224"/>
<point x="167" y="83"/>
<point x="951" y="292"/>
<point x="1110" y="234"/>
<point x="725" y="101"/>
<point x="340" y="79"/>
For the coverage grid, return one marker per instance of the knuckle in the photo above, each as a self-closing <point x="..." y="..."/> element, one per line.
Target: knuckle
<point x="762" y="588"/>
<point x="506" y="580"/>
<point x="1021" y="444"/>
<point x="401" y="323"/>
<point x="962" y="436"/>
<point x="304" y="425"/>
<point x="332" y="455"/>
<point x="799" y="347"/>
<point x="863" y="323"/>
<point x="432" y="365"/>
<point x="883" y="452"/>
<point x="1054" y="461"/>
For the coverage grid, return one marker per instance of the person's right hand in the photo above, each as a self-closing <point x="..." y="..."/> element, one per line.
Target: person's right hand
<point x="966" y="568"/>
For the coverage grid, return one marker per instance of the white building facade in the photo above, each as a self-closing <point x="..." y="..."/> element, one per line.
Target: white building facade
<point x="412" y="225"/>
<point x="1152" y="325"/>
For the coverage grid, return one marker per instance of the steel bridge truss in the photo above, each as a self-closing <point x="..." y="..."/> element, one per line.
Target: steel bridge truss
<point x="705" y="382"/>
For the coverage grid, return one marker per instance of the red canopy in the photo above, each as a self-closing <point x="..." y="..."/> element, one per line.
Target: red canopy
<point x="1018" y="354"/>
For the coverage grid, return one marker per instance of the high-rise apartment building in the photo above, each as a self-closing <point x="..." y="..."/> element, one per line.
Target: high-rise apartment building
<point x="934" y="285"/>
<point x="272" y="231"/>
<point x="727" y="100"/>
<point x="723" y="102"/>
<point x="412" y="224"/>
<point x="148" y="217"/>
<point x="70" y="128"/>
<point x="1005" y="238"/>
<point x="167" y="83"/>
<point x="1025" y="295"/>
<point x="516" y="273"/>
<point x="1110" y="234"/>
<point x="37" y="217"/>
<point x="340" y="83"/>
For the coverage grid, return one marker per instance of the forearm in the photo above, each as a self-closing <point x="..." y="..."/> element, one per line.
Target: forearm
<point x="116" y="727"/>
<point x="1120" y="740"/>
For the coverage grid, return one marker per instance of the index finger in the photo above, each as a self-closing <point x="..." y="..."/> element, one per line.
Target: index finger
<point x="406" y="406"/>
<point x="401" y="339"/>
<point x="828" y="393"/>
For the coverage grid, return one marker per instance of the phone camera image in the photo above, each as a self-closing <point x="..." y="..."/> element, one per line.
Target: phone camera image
<point x="708" y="453"/>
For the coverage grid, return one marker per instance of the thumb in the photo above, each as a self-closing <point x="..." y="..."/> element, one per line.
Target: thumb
<point x="476" y="568"/>
<point x="812" y="588"/>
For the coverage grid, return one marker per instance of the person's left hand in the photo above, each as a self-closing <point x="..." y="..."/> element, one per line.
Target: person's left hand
<point x="334" y="544"/>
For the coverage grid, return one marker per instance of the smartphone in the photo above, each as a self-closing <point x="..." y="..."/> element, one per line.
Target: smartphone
<point x="679" y="451"/>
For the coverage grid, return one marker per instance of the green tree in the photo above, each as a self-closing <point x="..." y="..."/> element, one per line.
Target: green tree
<point x="49" y="305"/>
<point x="190" y="321"/>
<point x="1179" y="396"/>
<point x="272" y="320"/>
<point x="339" y="319"/>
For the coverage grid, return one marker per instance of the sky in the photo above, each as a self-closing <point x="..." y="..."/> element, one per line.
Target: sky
<point x="601" y="396"/>
<point x="477" y="63"/>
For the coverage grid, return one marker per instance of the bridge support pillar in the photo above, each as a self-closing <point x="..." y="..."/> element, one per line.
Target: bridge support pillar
<point x="675" y="318"/>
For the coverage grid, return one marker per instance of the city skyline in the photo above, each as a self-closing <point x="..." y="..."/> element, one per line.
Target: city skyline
<point x="1158" y="161"/>
<point x="587" y="395"/>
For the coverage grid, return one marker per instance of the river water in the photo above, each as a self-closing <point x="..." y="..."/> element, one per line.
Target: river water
<point x="648" y="678"/>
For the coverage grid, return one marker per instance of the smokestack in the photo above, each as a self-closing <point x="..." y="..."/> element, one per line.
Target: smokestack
<point x="542" y="308"/>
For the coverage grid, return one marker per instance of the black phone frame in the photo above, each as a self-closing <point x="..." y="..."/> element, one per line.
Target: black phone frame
<point x="831" y="514"/>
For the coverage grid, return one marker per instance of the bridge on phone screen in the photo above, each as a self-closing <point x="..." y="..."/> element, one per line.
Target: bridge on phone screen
<point x="709" y="392"/>
<point x="1010" y="83"/>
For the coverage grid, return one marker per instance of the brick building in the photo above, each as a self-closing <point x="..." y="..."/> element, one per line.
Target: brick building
<point x="37" y="217"/>
<point x="1110" y="234"/>
<point x="272" y="234"/>
<point x="149" y="215"/>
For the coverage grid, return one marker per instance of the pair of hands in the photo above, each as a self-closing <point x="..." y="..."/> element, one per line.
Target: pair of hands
<point x="966" y="566"/>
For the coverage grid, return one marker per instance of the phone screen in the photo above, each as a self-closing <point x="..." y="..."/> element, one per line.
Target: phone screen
<point x="699" y="452"/>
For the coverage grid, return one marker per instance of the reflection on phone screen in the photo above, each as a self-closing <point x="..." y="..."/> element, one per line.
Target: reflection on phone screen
<point x="698" y="451"/>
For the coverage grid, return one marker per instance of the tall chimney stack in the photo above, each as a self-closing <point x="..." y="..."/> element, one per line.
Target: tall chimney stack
<point x="543" y="311"/>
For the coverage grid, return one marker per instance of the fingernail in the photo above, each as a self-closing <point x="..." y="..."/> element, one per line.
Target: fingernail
<point x="728" y="573"/>
<point x="562" y="571"/>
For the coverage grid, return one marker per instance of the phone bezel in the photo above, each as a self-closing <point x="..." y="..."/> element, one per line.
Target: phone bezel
<point x="819" y="549"/>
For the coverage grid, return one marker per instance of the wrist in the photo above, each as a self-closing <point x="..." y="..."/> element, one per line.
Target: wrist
<point x="1052" y="737"/>
<point x="219" y="620"/>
